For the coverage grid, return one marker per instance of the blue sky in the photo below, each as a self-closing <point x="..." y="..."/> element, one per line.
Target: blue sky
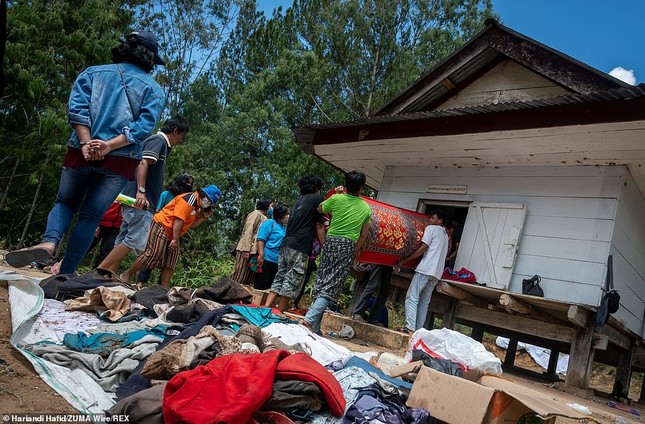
<point x="603" y="34"/>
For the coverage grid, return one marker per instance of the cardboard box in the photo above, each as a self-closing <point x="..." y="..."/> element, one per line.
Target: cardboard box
<point x="491" y="400"/>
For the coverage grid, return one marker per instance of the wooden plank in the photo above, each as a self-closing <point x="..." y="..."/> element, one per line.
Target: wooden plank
<point x="460" y="294"/>
<point x="623" y="372"/>
<point x="567" y="187"/>
<point x="511" y="350"/>
<point x="580" y="359"/>
<point x="553" y="362"/>
<point x="588" y="273"/>
<point x="569" y="249"/>
<point x="615" y="336"/>
<point x="516" y="323"/>
<point x="514" y="171"/>
<point x="579" y="316"/>
<point x="449" y="317"/>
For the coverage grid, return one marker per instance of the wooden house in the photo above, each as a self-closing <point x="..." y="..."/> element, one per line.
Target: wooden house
<point x="541" y="154"/>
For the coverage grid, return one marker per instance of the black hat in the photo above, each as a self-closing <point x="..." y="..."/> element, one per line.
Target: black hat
<point x="147" y="40"/>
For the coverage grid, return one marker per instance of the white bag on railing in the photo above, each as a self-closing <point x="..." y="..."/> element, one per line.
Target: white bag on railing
<point x="449" y="344"/>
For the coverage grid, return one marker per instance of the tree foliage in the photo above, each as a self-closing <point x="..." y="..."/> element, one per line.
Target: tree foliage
<point x="243" y="80"/>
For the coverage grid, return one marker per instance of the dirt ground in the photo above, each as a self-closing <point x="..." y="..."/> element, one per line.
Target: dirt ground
<point x="22" y="390"/>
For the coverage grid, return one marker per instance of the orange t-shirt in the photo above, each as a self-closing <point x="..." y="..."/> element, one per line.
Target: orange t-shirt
<point x="184" y="207"/>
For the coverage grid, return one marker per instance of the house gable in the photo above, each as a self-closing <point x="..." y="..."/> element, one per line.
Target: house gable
<point x="506" y="82"/>
<point x="495" y="44"/>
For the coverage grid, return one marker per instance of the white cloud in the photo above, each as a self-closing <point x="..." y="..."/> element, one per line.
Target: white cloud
<point x="625" y="75"/>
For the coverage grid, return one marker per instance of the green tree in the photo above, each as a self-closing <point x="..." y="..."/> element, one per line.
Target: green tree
<point x="48" y="44"/>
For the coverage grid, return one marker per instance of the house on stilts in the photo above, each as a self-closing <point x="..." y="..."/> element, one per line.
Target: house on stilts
<point x="542" y="159"/>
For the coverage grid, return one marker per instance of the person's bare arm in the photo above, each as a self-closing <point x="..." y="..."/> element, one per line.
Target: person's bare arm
<point x="177" y="226"/>
<point x="361" y="239"/>
<point x="261" y="244"/>
<point x="320" y="233"/>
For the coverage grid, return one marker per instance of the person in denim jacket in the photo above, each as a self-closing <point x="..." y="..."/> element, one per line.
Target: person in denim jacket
<point x="112" y="109"/>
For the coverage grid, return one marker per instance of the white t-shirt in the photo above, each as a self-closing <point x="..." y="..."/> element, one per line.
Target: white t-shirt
<point x="434" y="259"/>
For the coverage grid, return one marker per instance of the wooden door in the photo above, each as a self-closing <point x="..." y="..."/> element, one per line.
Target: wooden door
<point x="490" y="241"/>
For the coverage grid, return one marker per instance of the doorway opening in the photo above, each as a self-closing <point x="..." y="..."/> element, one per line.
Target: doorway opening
<point x="457" y="212"/>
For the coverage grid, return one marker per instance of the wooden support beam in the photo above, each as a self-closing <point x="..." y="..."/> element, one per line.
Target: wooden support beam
<point x="615" y="336"/>
<point x="552" y="368"/>
<point x="513" y="305"/>
<point x="641" y="397"/>
<point x="515" y="323"/>
<point x="579" y="316"/>
<point x="580" y="359"/>
<point x="477" y="333"/>
<point x="461" y="294"/>
<point x="449" y="318"/>
<point x="623" y="373"/>
<point x="511" y="350"/>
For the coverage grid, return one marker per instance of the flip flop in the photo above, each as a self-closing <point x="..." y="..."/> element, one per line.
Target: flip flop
<point x="24" y="257"/>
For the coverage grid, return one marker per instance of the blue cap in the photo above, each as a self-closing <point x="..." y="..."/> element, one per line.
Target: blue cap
<point x="213" y="192"/>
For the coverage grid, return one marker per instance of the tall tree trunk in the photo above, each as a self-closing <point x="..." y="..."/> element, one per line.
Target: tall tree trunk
<point x="34" y="202"/>
<point x="6" y="189"/>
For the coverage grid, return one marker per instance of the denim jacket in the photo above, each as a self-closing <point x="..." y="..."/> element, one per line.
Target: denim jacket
<point x="98" y="100"/>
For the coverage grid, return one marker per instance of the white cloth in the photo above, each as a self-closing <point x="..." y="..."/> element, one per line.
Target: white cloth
<point x="322" y="350"/>
<point x="75" y="386"/>
<point x="434" y="258"/>
<point x="539" y="354"/>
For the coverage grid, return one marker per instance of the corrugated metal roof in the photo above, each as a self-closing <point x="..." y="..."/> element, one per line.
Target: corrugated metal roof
<point x="624" y="93"/>
<point x="460" y="75"/>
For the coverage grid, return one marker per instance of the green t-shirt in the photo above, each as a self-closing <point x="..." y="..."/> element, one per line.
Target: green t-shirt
<point x="349" y="213"/>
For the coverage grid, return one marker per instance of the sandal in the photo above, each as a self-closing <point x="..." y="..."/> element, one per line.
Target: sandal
<point x="24" y="257"/>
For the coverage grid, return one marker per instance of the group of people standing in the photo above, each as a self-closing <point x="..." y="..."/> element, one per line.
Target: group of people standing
<point x="113" y="109"/>
<point x="285" y="254"/>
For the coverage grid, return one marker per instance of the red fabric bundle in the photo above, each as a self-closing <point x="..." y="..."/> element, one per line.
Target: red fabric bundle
<point x="301" y="367"/>
<point x="230" y="389"/>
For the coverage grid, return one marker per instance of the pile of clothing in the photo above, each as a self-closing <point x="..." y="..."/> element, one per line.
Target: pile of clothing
<point x="205" y="355"/>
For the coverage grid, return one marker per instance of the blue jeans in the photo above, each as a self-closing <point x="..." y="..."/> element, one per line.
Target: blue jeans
<point x="89" y="192"/>
<point x="417" y="300"/>
<point x="315" y="314"/>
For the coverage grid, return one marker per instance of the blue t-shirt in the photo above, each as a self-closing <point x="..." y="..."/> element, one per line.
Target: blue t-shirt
<point x="271" y="233"/>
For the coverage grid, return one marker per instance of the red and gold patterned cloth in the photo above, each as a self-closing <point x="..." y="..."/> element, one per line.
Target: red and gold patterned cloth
<point x="393" y="233"/>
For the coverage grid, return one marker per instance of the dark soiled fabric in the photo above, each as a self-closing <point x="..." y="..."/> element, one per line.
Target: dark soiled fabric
<point x="151" y="296"/>
<point x="226" y="290"/>
<point x="188" y="313"/>
<point x="71" y="286"/>
<point x="144" y="407"/>
<point x="294" y="394"/>
<point x="373" y="405"/>
<point x="137" y="382"/>
<point x="445" y="366"/>
<point x="225" y="390"/>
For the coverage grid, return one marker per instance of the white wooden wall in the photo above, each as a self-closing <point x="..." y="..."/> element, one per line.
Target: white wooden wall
<point x="628" y="251"/>
<point x="569" y="223"/>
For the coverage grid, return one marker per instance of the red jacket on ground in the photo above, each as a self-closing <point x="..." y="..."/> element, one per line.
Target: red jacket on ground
<point x="230" y="389"/>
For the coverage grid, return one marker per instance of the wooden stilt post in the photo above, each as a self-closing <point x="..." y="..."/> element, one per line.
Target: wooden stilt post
<point x="580" y="359"/>
<point x="449" y="319"/>
<point x="477" y="333"/>
<point x="552" y="368"/>
<point x="509" y="359"/>
<point x="623" y="372"/>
